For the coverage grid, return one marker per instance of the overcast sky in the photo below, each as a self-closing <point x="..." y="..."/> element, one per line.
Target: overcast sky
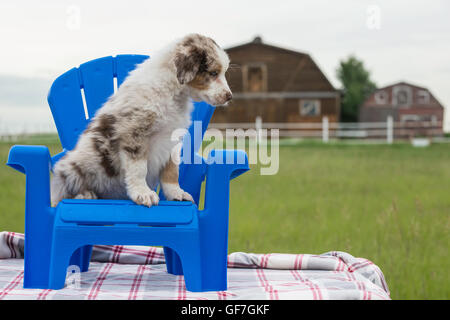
<point x="397" y="40"/>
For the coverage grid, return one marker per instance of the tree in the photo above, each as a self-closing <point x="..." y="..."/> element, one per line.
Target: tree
<point x="356" y="83"/>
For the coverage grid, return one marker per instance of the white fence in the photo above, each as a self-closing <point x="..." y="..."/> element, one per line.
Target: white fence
<point x="15" y="132"/>
<point x="325" y="130"/>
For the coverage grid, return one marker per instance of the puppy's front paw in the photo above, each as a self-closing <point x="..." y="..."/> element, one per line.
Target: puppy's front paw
<point x="177" y="194"/>
<point x="144" y="197"/>
<point x="187" y="197"/>
<point x="86" y="195"/>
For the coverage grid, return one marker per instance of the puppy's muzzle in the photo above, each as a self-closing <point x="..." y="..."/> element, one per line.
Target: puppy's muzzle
<point x="228" y="96"/>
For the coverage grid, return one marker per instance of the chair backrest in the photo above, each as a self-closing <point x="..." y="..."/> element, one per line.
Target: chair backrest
<point x="76" y="95"/>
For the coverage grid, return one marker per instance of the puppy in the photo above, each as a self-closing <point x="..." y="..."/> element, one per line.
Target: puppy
<point x="126" y="149"/>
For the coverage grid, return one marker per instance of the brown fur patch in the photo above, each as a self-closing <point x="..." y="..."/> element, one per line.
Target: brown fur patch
<point x="143" y="123"/>
<point x="105" y="125"/>
<point x="104" y="141"/>
<point x="196" y="57"/>
<point x="82" y="179"/>
<point x="140" y="125"/>
<point x="114" y="145"/>
<point x="203" y="79"/>
<point x="105" y="157"/>
<point x="63" y="176"/>
<point x="134" y="152"/>
<point x="126" y="114"/>
<point x="200" y="82"/>
<point x="78" y="170"/>
<point x="129" y="112"/>
<point x="169" y="173"/>
<point x="188" y="65"/>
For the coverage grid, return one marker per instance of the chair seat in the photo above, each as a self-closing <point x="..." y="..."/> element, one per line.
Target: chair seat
<point x="111" y="212"/>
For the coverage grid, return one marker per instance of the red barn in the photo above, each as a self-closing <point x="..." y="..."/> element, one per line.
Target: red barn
<point x="406" y="103"/>
<point x="278" y="85"/>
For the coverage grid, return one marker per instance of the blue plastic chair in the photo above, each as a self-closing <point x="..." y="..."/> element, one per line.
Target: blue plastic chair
<point x="195" y="241"/>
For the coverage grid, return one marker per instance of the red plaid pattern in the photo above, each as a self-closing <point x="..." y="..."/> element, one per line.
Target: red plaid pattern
<point x="132" y="272"/>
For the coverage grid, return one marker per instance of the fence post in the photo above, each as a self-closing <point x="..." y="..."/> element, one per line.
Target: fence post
<point x="325" y="127"/>
<point x="258" y="127"/>
<point x="390" y="130"/>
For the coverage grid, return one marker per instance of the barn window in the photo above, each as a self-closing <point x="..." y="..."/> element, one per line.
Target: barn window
<point x="381" y="97"/>
<point x="255" y="78"/>
<point x="309" y="108"/>
<point x="409" y="117"/>
<point x="402" y="95"/>
<point x="423" y="97"/>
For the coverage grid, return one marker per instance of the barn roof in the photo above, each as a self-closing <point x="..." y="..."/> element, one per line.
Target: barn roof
<point x="303" y="58"/>
<point x="369" y="101"/>
<point x="403" y="83"/>
<point x="257" y="41"/>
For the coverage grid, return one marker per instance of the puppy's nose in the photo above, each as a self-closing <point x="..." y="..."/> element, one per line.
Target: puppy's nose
<point x="228" y="96"/>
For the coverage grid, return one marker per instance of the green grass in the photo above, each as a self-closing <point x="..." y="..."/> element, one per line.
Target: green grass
<point x="389" y="204"/>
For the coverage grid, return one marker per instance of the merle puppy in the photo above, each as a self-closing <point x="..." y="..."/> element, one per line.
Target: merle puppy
<point x="127" y="147"/>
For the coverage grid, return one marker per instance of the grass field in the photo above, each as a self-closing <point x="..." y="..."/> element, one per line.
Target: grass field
<point x="389" y="204"/>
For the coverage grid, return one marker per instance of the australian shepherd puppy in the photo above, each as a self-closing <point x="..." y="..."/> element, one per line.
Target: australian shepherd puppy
<point x="127" y="147"/>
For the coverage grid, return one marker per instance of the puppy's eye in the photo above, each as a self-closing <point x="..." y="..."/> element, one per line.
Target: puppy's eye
<point x="213" y="74"/>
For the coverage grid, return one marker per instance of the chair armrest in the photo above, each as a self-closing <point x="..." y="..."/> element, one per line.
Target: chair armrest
<point x="29" y="158"/>
<point x="35" y="162"/>
<point x="223" y="166"/>
<point x="230" y="163"/>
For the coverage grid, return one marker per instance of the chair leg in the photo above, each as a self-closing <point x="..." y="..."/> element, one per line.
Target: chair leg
<point x="215" y="276"/>
<point x="59" y="261"/>
<point x="36" y="267"/>
<point x="192" y="268"/>
<point x="81" y="257"/>
<point x="214" y="262"/>
<point x="173" y="262"/>
<point x="203" y="271"/>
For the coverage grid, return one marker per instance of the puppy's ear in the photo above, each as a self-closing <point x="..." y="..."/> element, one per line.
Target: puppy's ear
<point x="188" y="62"/>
